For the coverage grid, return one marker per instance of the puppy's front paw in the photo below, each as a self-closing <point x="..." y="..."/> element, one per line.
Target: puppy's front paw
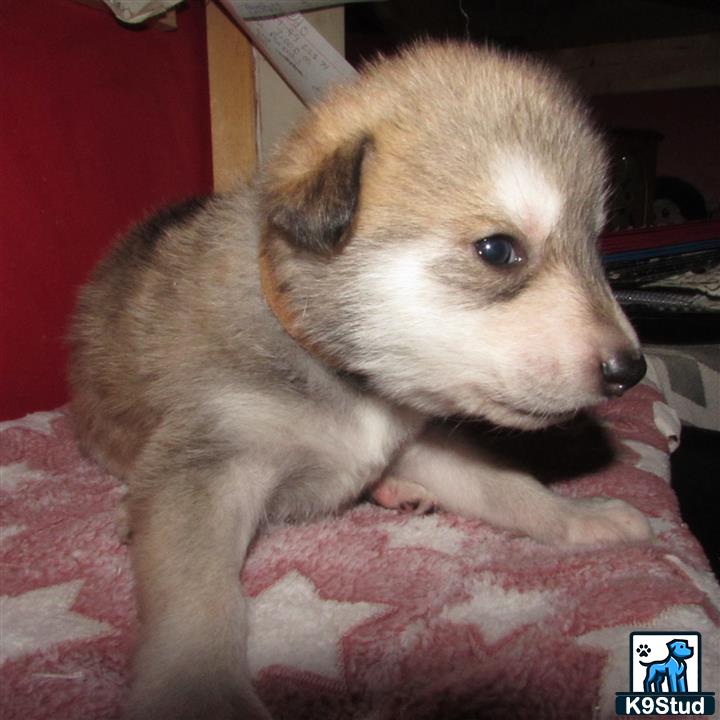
<point x="405" y="496"/>
<point x="605" y="520"/>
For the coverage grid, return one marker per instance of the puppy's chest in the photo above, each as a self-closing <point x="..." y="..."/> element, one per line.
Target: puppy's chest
<point x="372" y="433"/>
<point x="351" y="447"/>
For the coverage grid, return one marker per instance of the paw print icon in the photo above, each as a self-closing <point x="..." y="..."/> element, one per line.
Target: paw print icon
<point x="643" y="650"/>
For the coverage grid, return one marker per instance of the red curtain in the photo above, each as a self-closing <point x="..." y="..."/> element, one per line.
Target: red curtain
<point x="99" y="124"/>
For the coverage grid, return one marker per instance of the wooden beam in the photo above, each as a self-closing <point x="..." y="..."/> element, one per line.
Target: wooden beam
<point x="232" y="100"/>
<point x="657" y="64"/>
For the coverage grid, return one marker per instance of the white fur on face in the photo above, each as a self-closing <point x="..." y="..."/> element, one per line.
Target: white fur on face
<point x="525" y="194"/>
<point x="522" y="363"/>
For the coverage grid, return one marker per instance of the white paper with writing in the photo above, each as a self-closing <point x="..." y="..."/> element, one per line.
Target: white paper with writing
<point x="302" y="56"/>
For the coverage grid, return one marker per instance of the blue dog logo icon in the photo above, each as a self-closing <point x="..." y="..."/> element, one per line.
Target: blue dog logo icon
<point x="672" y="671"/>
<point x="671" y="686"/>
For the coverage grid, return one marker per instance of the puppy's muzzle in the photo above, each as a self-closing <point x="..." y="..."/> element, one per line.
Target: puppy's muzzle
<point x="621" y="371"/>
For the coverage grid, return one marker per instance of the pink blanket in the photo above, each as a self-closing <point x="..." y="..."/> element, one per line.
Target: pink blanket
<point x="369" y="615"/>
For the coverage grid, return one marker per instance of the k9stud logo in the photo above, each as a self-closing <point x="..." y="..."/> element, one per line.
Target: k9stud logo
<point x="665" y="676"/>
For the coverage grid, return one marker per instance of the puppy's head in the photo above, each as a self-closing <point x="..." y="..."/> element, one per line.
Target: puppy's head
<point x="433" y="227"/>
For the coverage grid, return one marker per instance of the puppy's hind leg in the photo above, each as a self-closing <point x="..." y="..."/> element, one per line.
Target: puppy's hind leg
<point x="404" y="495"/>
<point x="190" y="538"/>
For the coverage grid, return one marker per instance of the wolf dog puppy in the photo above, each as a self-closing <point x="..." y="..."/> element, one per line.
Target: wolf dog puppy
<point x="422" y="246"/>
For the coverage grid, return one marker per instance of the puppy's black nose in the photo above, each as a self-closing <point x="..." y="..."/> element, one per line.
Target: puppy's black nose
<point x="622" y="371"/>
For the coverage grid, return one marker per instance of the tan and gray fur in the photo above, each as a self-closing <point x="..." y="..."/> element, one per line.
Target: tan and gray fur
<point x="276" y="352"/>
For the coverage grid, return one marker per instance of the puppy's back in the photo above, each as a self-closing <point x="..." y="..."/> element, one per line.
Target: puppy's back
<point x="149" y="317"/>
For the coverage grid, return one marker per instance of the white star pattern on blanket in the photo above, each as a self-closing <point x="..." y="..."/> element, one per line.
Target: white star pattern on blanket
<point x="40" y="422"/>
<point x="668" y="423"/>
<point x="309" y="632"/>
<point x="426" y="532"/>
<point x="16" y="473"/>
<point x="703" y="580"/>
<point x="7" y="531"/>
<point x="661" y="525"/>
<point x="651" y="459"/>
<point x="498" y="612"/>
<point x="39" y="619"/>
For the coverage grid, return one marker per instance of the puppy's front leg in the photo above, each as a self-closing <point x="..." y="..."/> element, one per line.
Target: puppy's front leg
<point x="456" y="475"/>
<point x="189" y="541"/>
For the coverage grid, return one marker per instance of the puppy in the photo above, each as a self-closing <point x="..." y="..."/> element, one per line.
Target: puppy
<point x="422" y="246"/>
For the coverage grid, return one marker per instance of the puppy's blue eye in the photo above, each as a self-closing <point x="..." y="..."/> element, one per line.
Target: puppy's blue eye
<point x="497" y="249"/>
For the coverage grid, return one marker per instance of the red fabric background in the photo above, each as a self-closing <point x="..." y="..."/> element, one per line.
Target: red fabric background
<point x="98" y="125"/>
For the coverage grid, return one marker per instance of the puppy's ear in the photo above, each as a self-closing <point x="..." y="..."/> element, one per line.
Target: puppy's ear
<point x="313" y="208"/>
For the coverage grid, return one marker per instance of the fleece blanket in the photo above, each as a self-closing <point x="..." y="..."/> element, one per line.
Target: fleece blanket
<point x="373" y="614"/>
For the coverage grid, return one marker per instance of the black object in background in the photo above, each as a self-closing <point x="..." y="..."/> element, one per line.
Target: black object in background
<point x="696" y="481"/>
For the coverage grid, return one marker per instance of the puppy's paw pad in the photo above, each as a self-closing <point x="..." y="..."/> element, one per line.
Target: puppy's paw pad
<point x="405" y="496"/>
<point x="643" y="650"/>
<point x="606" y="521"/>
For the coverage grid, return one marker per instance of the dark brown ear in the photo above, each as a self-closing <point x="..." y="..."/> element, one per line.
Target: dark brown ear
<point x="315" y="209"/>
